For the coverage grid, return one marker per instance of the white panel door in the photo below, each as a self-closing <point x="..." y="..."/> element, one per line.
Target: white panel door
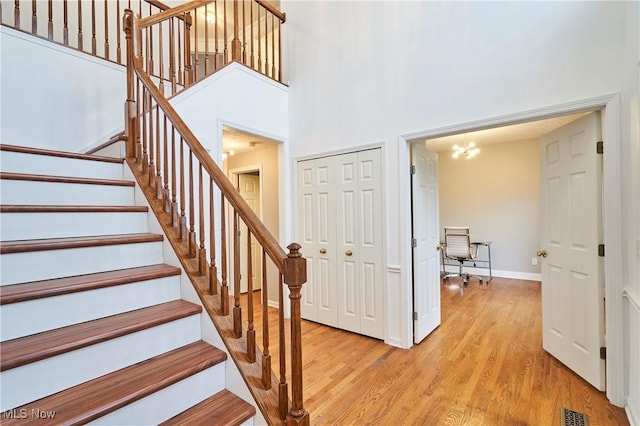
<point x="572" y="281"/>
<point x="369" y="243"/>
<point x="426" y="233"/>
<point x="249" y="188"/>
<point x="306" y="225"/>
<point x="325" y="225"/>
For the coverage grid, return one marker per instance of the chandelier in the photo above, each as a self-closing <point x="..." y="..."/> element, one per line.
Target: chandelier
<point x="469" y="150"/>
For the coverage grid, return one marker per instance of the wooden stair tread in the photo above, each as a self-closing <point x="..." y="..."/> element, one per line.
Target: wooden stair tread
<point x="63" y="154"/>
<point x="96" y="398"/>
<point x="64" y="179"/>
<point x="55" y="287"/>
<point x="223" y="408"/>
<point x="23" y="246"/>
<point x="44" y="208"/>
<point x="28" y="349"/>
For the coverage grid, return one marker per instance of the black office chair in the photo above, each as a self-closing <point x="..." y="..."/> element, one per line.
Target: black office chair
<point x="458" y="247"/>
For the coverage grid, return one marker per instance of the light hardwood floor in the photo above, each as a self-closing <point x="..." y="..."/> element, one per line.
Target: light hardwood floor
<point x="484" y="365"/>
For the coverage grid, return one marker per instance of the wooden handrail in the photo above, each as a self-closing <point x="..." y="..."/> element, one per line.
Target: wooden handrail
<point x="271" y="8"/>
<point x="152" y="125"/>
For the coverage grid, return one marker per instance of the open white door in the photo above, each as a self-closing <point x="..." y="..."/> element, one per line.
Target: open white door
<point x="249" y="188"/>
<point x="426" y="239"/>
<point x="572" y="280"/>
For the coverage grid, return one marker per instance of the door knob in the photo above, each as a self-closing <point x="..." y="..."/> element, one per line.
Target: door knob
<point x="541" y="253"/>
<point x="348" y="252"/>
<point x="323" y="250"/>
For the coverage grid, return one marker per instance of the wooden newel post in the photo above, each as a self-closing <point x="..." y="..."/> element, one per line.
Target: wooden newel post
<point x="295" y="274"/>
<point x="130" y="103"/>
<point x="236" y="46"/>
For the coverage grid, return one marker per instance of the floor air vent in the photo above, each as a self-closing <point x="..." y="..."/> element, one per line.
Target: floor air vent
<point x="573" y="418"/>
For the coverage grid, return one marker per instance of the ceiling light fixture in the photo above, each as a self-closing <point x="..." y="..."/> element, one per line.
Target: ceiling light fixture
<point x="211" y="18"/>
<point x="467" y="151"/>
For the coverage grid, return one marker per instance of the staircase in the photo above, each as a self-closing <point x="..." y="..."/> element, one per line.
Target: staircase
<point x="93" y="327"/>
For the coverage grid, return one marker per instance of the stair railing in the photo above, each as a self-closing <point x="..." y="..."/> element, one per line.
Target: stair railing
<point x="221" y="31"/>
<point x="199" y="203"/>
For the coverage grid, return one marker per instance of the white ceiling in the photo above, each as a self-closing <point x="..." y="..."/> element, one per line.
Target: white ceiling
<point x="513" y="133"/>
<point x="239" y="141"/>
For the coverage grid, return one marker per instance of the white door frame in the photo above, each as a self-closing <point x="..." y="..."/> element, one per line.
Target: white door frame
<point x="609" y="105"/>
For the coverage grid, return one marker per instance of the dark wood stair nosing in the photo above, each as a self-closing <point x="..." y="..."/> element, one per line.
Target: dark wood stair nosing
<point x="65" y="179"/>
<point x="103" y="395"/>
<point x="28" y="349"/>
<point x="223" y="407"/>
<point x="24" y="246"/>
<point x="61" y="154"/>
<point x="22" y="292"/>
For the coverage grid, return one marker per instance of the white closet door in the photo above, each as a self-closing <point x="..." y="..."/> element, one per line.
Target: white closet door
<point x="369" y="243"/>
<point x="325" y="225"/>
<point x="306" y="236"/>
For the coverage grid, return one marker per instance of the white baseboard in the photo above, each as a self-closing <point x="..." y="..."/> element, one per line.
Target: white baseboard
<point x="497" y="273"/>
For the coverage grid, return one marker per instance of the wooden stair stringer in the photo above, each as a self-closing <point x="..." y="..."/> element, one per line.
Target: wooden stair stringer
<point x="267" y="400"/>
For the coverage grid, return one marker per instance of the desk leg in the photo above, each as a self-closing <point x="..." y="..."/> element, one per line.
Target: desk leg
<point x="490" y="273"/>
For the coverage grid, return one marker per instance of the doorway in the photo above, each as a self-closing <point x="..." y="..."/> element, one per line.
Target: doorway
<point x="610" y="112"/>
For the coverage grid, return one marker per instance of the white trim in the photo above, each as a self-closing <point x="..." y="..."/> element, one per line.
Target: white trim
<point x="612" y="216"/>
<point x="634" y="418"/>
<point x="633" y="300"/>
<point x="496" y="273"/>
<point x="334" y="152"/>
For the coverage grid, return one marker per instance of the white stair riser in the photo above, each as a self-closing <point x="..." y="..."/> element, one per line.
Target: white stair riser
<point x="30" y="226"/>
<point x="18" y="162"/>
<point x="36" y="380"/>
<point x="170" y="401"/>
<point x="38" y="315"/>
<point x="115" y="150"/>
<point x="58" y="193"/>
<point x="48" y="264"/>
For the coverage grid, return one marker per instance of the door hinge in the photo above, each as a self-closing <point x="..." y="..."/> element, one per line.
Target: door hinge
<point x="603" y="352"/>
<point x="600" y="147"/>
<point x="414" y="243"/>
<point x="412" y="169"/>
<point x="415" y="316"/>
<point x="601" y="250"/>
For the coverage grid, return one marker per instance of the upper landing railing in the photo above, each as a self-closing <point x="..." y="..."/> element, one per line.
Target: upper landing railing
<point x="214" y="33"/>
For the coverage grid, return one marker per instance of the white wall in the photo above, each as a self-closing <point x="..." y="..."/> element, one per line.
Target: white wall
<point x="496" y="194"/>
<point x="57" y="98"/>
<point x="388" y="69"/>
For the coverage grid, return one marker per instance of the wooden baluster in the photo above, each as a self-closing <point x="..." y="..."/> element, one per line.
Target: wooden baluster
<point x="50" y="23"/>
<point x="181" y="79"/>
<point x="259" y="69"/>
<point x="172" y="54"/>
<point x="224" y="34"/>
<point x="138" y="107"/>
<point x="34" y="18"/>
<point x="165" y="193"/>
<point x="224" y="287"/>
<point x="174" y="189"/>
<point x="273" y="47"/>
<point x="65" y="28"/>
<point x="266" y="43"/>
<point x="237" y="310"/>
<point x="196" y="60"/>
<point x="80" y="35"/>
<point x="130" y="103"/>
<point x="244" y="35"/>
<point x="188" y="76"/>
<point x="283" y="392"/>
<point x="202" y="253"/>
<point x="106" y="30"/>
<point x="157" y="177"/>
<point x="161" y="56"/>
<point x="295" y="275"/>
<point x="251" y="41"/>
<point x="215" y="34"/>
<point x="118" y="49"/>
<point x="152" y="152"/>
<point x="251" y="332"/>
<point x="93" y="27"/>
<point x="151" y="68"/>
<point x="213" y="270"/>
<point x="206" y="40"/>
<point x="279" y="51"/>
<point x="145" y="141"/>
<point x="16" y="15"/>
<point x="183" y="218"/>
<point x="266" y="356"/>
<point x="192" y="229"/>
<point x="235" y="43"/>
